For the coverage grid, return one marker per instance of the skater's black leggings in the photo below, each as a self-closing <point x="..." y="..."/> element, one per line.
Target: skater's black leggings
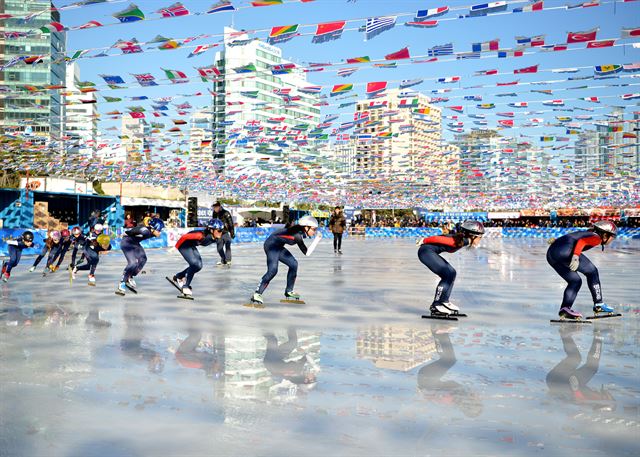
<point x="337" y="241"/>
<point x="277" y="253"/>
<point x="135" y="255"/>
<point x="14" y="257"/>
<point x="442" y="268"/>
<point x="92" y="260"/>
<point x="560" y="378"/>
<point x="43" y="252"/>
<point x="574" y="282"/>
<point x="192" y="256"/>
<point x="224" y="247"/>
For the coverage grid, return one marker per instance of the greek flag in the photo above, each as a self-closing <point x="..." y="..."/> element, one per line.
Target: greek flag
<point x="441" y="50"/>
<point x="376" y="25"/>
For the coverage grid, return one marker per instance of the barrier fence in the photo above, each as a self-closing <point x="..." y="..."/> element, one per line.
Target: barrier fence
<point x="169" y="237"/>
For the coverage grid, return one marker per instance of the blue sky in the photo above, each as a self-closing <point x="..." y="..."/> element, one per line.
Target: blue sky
<point x="555" y="24"/>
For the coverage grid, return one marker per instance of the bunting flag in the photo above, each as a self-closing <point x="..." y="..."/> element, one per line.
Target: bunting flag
<point x="359" y="59"/>
<point x="486" y="106"/>
<point x="200" y="49"/>
<point x="508" y="123"/>
<point x="283" y="33"/>
<point x="510" y="53"/>
<point x="554" y="47"/>
<point x="532" y="41"/>
<point x="328" y="31"/>
<point x="88" y="25"/>
<point x="492" y="45"/>
<point x="405" y="83"/>
<point x="519" y="104"/>
<point x="631" y="32"/>
<point x="112" y="80"/>
<point x="600" y="44"/>
<point x="310" y="89"/>
<point x="536" y="6"/>
<point x="485" y="72"/>
<point x="398" y="55"/>
<point x="487" y="8"/>
<point x="131" y="14"/>
<point x="208" y="73"/>
<point x="33" y="60"/>
<point x="282" y="69"/>
<point x="249" y="68"/>
<point x="631" y="67"/>
<point x="175" y="10"/>
<point x="468" y="55"/>
<point x="376" y="87"/>
<point x="52" y="27"/>
<point x="344" y="72"/>
<point x="267" y="3"/>
<point x="169" y="45"/>
<point x="408" y="103"/>
<point x="341" y="88"/>
<point x="376" y="25"/>
<point x="433" y="12"/>
<point x="531" y="69"/>
<point x="580" y="37"/>
<point x="422" y="24"/>
<point x="176" y="76"/>
<point x="602" y="70"/>
<point x="441" y="50"/>
<point x="449" y="80"/>
<point x="220" y="7"/>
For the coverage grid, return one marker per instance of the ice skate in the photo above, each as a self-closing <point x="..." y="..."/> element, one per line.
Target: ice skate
<point x="256" y="301"/>
<point x="32" y="269"/>
<point x="455" y="309"/>
<point x="602" y="311"/>
<point x="122" y="289"/>
<point x="292" y="297"/>
<point x="187" y="294"/>
<point x="131" y="285"/>
<point x="569" y="315"/>
<point x="176" y="282"/>
<point x="439" y="311"/>
<point x="5" y="277"/>
<point x="92" y="280"/>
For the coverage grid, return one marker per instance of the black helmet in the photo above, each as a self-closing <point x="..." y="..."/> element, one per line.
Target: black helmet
<point x="27" y="235"/>
<point x="606" y="227"/>
<point x="472" y="228"/>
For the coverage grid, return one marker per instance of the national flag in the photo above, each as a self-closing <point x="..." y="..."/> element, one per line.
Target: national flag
<point x="508" y="114"/>
<point x="492" y="45"/>
<point x="408" y="103"/>
<point x="176" y="76"/>
<point x="486" y="106"/>
<point x="376" y="87"/>
<point x="33" y="60"/>
<point x="441" y="50"/>
<point x="630" y="32"/>
<point x="201" y="48"/>
<point x="137" y="115"/>
<point x="175" y="10"/>
<point x="448" y="79"/>
<point x="359" y="59"/>
<point x="553" y="103"/>
<point x="282" y="69"/>
<point x="405" y="83"/>
<point x="344" y="72"/>
<point x="128" y="47"/>
<point x="398" y="55"/>
<point x="76" y="55"/>
<point x="386" y="65"/>
<point x="208" y="73"/>
<point x="422" y="24"/>
<point x="564" y="70"/>
<point x="629" y="136"/>
<point x="532" y="41"/>
<point x="468" y="55"/>
<point x="248" y="68"/>
<point x="600" y="44"/>
<point x="432" y="12"/>
<point x="631" y="67"/>
<point x="111" y="99"/>
<point x="630" y="96"/>
<point x="456" y="108"/>
<point x="52" y="27"/>
<point x="473" y="98"/>
<point x="328" y="31"/>
<point x="601" y="70"/>
<point x="584" y="5"/>
<point x="580" y="37"/>
<point x="422" y="111"/>
<point x="376" y="25"/>
<point x="169" y="45"/>
<point x="283" y="33"/>
<point x="145" y="79"/>
<point x="267" y="3"/>
<point x="531" y="69"/>
<point x="547" y="138"/>
<point x="341" y="88"/>
<point x="482" y="9"/>
<point x="179" y="122"/>
<point x="519" y="104"/>
<point x="536" y="6"/>
<point x="485" y="72"/>
<point x="220" y="7"/>
<point x="310" y="89"/>
<point x="131" y="14"/>
<point x="112" y="80"/>
<point x="506" y="53"/>
<point x="509" y="83"/>
<point x="508" y="123"/>
<point x="88" y="25"/>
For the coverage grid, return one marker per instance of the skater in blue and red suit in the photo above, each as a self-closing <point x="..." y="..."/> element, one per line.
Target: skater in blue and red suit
<point x="566" y="256"/>
<point x="429" y="254"/>
<point x="274" y="247"/>
<point x="96" y="243"/>
<point x="134" y="252"/>
<point x="188" y="244"/>
<point x="15" y="248"/>
<point x="63" y="247"/>
<point x="77" y="240"/>
<point x="52" y="246"/>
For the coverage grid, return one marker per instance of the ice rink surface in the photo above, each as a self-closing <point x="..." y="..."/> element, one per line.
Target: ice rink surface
<point x="354" y="371"/>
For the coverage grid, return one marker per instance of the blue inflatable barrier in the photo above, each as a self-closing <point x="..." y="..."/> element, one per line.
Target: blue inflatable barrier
<point x="401" y="232"/>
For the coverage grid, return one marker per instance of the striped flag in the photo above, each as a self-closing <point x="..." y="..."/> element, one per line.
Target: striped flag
<point x="359" y="59"/>
<point x="441" y="50"/>
<point x="536" y="6"/>
<point x="432" y="12"/>
<point x="405" y="83"/>
<point x="492" y="45"/>
<point x="519" y="104"/>
<point x="376" y="25"/>
<point x="341" y="88"/>
<point x="344" y="72"/>
<point x="485" y="72"/>
<point x="554" y="47"/>
<point x="467" y="55"/>
<point x="510" y="53"/>
<point x="220" y="7"/>
<point x="175" y="10"/>
<point x="630" y="32"/>
<point x="532" y="41"/>
<point x="531" y="69"/>
<point x="283" y="33"/>
<point x="448" y="79"/>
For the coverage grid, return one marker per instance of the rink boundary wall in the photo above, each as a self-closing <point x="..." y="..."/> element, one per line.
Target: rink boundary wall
<point x="254" y="235"/>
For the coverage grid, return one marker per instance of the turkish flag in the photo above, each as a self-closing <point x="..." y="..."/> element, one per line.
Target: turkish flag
<point x="600" y="44"/>
<point x="579" y="37"/>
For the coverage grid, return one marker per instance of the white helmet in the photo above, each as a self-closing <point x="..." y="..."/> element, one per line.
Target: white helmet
<point x="308" y="221"/>
<point x="98" y="228"/>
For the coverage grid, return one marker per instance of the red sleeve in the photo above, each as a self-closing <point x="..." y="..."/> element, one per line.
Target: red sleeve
<point x="593" y="241"/>
<point x="440" y="240"/>
<point x="196" y="236"/>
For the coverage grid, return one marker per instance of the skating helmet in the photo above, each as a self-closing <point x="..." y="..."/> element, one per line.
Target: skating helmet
<point x="77" y="231"/>
<point x="55" y="235"/>
<point x="606" y="227"/>
<point x="98" y="228"/>
<point x="27" y="235"/>
<point x="308" y="221"/>
<point x="472" y="228"/>
<point x="215" y="224"/>
<point x="104" y="241"/>
<point x="156" y="224"/>
<point x="65" y="233"/>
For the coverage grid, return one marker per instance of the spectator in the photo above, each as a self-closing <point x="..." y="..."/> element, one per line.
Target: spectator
<point x="129" y="222"/>
<point x="337" y="224"/>
<point x="224" y="243"/>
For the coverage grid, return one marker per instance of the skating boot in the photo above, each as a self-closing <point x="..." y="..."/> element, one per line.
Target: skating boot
<point x="340" y="251"/>
<point x="439" y="311"/>
<point x="228" y="264"/>
<point x="131" y="285"/>
<point x="5" y="277"/>
<point x="256" y="301"/>
<point x="292" y="297"/>
<point x="602" y="310"/>
<point x="74" y="272"/>
<point x="186" y="293"/>
<point x="92" y="280"/>
<point x="32" y="269"/>
<point x="455" y="309"/>
<point x="220" y="264"/>
<point x="179" y="281"/>
<point x="122" y="289"/>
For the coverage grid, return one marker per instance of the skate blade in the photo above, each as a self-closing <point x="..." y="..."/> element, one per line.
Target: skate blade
<point x="254" y="305"/>
<point x="442" y="318"/>
<point x="173" y="283"/>
<point x="604" y="316"/>
<point x="119" y="292"/>
<point x="91" y="284"/>
<point x="131" y="289"/>
<point x="569" y="321"/>
<point x="185" y="297"/>
<point x="459" y="315"/>
<point x="294" y="302"/>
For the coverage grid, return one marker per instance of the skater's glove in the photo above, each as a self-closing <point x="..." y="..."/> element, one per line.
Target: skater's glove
<point x="575" y="263"/>
<point x="419" y="242"/>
